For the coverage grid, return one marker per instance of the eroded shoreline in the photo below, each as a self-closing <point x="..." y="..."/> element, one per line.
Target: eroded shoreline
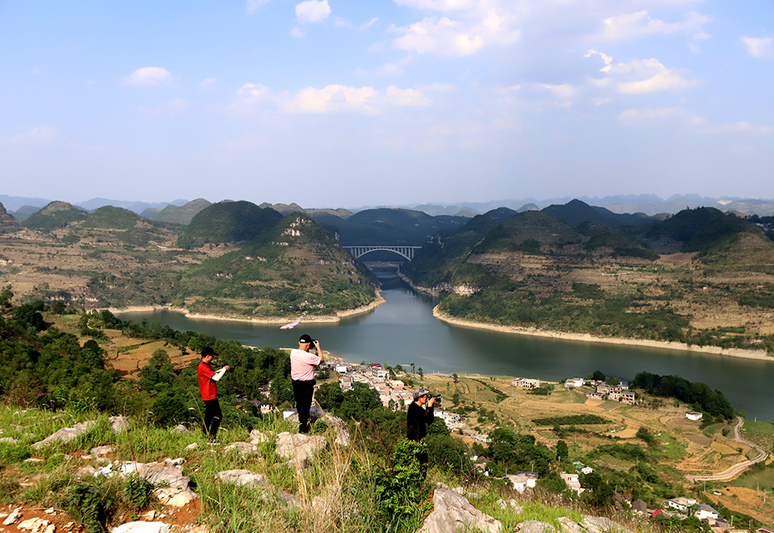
<point x="269" y="320"/>
<point x="759" y="355"/>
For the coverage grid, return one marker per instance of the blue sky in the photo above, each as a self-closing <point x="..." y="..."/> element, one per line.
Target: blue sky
<point x="333" y="103"/>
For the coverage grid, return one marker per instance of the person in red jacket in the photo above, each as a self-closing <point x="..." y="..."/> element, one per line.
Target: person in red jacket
<point x="208" y="388"/>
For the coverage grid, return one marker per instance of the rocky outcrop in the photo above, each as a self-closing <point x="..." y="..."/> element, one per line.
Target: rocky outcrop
<point x="244" y="449"/>
<point x="452" y="512"/>
<point x="598" y="524"/>
<point x="65" y="435"/>
<point x="299" y="447"/>
<point x="142" y="527"/>
<point x="534" y="526"/>
<point x="172" y="487"/>
<point x="243" y="478"/>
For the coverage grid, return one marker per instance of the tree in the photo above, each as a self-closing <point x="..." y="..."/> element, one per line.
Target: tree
<point x="456" y="398"/>
<point x="562" y="451"/>
<point x="5" y="298"/>
<point x="421" y="373"/>
<point x="456" y="378"/>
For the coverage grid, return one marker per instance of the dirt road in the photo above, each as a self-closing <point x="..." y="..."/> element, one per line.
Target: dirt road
<point x="738" y="468"/>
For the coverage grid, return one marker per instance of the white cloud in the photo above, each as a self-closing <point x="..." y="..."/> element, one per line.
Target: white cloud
<point x="563" y="91"/>
<point x="635" y="25"/>
<point x="206" y="82"/>
<point x="762" y="47"/>
<point x="667" y="116"/>
<point x="736" y="127"/>
<point x="390" y="69"/>
<point x="329" y="99"/>
<point x="39" y="135"/>
<point x="298" y="32"/>
<point x="253" y="5"/>
<point x="640" y="76"/>
<point x="454" y="38"/>
<point x="368" y="24"/>
<point x="312" y="11"/>
<point x="436" y="87"/>
<point x="600" y="101"/>
<point x="150" y="77"/>
<point x="439" y="5"/>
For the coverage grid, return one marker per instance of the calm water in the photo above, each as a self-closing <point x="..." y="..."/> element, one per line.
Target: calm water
<point x="404" y="331"/>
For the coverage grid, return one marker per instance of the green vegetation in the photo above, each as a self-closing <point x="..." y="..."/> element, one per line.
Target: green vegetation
<point x="110" y="217"/>
<point x="228" y="222"/>
<point x="567" y="420"/>
<point x="698" y="395"/>
<point x="54" y="215"/>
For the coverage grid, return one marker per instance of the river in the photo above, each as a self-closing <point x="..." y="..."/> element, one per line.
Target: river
<point x="404" y="331"/>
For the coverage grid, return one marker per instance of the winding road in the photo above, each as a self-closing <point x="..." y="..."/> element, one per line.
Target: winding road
<point x="738" y="468"/>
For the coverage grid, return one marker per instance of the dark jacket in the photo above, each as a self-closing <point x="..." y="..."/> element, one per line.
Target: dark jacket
<point x="417" y="420"/>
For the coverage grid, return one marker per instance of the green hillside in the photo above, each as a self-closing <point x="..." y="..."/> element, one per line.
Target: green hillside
<point x="602" y="236"/>
<point x="8" y="224"/>
<point x="295" y="267"/>
<point x="55" y="215"/>
<point x="109" y="217"/>
<point x="228" y="222"/>
<point x="181" y="214"/>
<point x="701" y="229"/>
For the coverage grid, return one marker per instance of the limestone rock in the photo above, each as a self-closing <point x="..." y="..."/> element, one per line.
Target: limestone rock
<point x="243" y="448"/>
<point x="177" y="499"/>
<point x="243" y="478"/>
<point x="8" y="440"/>
<point x="288" y="499"/>
<point x="142" y="527"/>
<point x="34" y="525"/>
<point x="299" y="446"/>
<point x="453" y="512"/>
<point x="534" y="526"/>
<point x="13" y="517"/>
<point x="599" y="524"/>
<point x="191" y="447"/>
<point x="66" y="434"/>
<point x="256" y="437"/>
<point x="315" y="414"/>
<point x="118" y="423"/>
<point x="101" y="450"/>
<point x="569" y="525"/>
<point x="172" y="486"/>
<point x="340" y="427"/>
<point x="180" y="428"/>
<point x="511" y="504"/>
<point x="86" y="471"/>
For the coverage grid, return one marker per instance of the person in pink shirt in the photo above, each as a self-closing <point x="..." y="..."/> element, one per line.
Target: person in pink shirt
<point x="302" y="368"/>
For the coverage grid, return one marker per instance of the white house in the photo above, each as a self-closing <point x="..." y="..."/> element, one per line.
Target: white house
<point x="522" y="482"/>
<point x="573" y="382"/>
<point x="706" y="512"/>
<point x="342" y="369"/>
<point x="681" y="503"/>
<point x="572" y="481"/>
<point x="586" y="470"/>
<point x="693" y="415"/>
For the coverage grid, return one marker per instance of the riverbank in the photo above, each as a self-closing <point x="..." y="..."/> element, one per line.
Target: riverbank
<point x="759" y="355"/>
<point x="264" y="320"/>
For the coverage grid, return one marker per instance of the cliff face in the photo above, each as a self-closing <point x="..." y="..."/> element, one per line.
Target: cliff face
<point x="8" y="224"/>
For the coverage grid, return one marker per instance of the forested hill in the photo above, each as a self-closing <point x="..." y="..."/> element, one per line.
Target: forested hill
<point x="701" y="276"/>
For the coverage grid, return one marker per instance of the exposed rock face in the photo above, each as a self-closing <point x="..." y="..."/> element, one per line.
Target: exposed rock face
<point x="66" y="434"/>
<point x="569" y="525"/>
<point x="8" y="224"/>
<point x="243" y="478"/>
<point x="142" y="527"/>
<point x="256" y="437"/>
<point x="118" y="423"/>
<point x="243" y="448"/>
<point x="511" y="504"/>
<point x="299" y="447"/>
<point x="340" y="427"/>
<point x="171" y="485"/>
<point x="453" y="512"/>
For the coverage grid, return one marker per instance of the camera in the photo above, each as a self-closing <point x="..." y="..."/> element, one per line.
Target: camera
<point x="437" y="399"/>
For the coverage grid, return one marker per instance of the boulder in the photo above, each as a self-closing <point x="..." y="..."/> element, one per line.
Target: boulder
<point x="180" y="428"/>
<point x="243" y="478"/>
<point x="171" y="485"/>
<point x="8" y="440"/>
<point x="34" y="525"/>
<point x="101" y="450"/>
<point x="453" y="512"/>
<point x="315" y="414"/>
<point x="340" y="427"/>
<point x="66" y="434"/>
<point x="243" y="448"/>
<point x="118" y="423"/>
<point x="600" y="524"/>
<point x="298" y="446"/>
<point x="569" y="525"/>
<point x="141" y="527"/>
<point x="191" y="447"/>
<point x="13" y="517"/>
<point x="256" y="437"/>
<point x="534" y="526"/>
<point x="511" y="504"/>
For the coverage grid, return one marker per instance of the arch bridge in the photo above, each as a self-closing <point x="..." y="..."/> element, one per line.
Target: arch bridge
<point x="405" y="251"/>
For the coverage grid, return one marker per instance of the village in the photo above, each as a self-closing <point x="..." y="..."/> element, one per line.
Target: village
<point x="395" y="395"/>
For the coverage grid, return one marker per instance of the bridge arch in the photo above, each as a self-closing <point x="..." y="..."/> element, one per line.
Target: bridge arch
<point x="404" y="251"/>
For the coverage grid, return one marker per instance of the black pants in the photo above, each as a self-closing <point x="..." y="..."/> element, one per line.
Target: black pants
<point x="212" y="417"/>
<point x="303" y="392"/>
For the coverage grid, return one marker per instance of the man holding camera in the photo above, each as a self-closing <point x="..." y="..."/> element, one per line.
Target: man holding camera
<point x="420" y="414"/>
<point x="302" y="367"/>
